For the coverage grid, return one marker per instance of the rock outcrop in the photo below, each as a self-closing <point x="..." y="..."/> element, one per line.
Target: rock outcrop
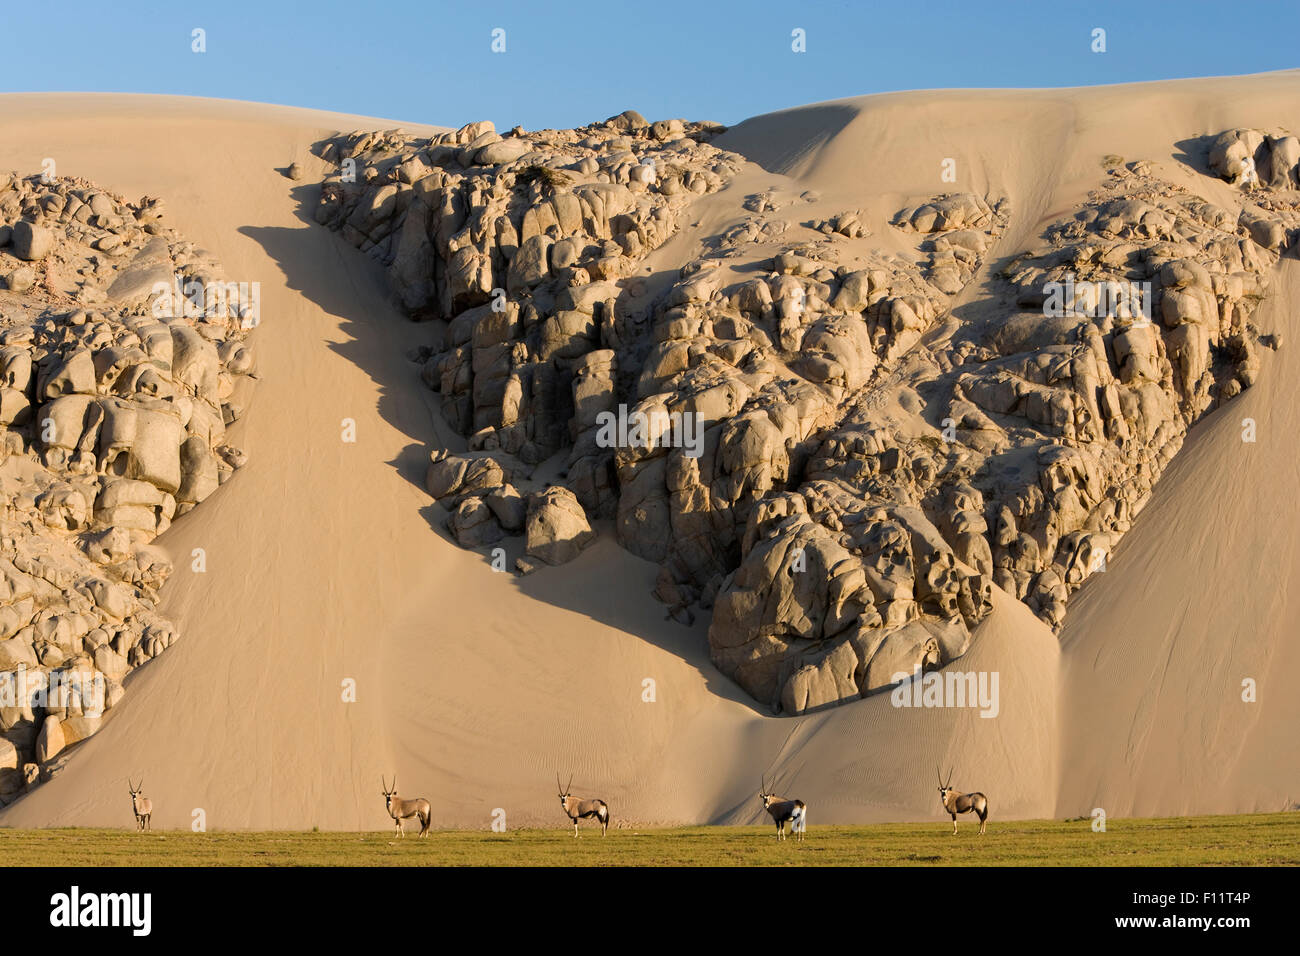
<point x="822" y="454"/>
<point x="123" y="361"/>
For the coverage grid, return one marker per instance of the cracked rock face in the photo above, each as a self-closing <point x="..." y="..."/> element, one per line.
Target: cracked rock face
<point x="122" y="362"/>
<point x="797" y="428"/>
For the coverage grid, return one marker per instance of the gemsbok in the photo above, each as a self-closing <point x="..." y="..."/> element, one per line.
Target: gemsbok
<point x="577" y="810"/>
<point x="956" y="803"/>
<point x="142" y="805"/>
<point x="783" y="811"/>
<point x="400" y="809"/>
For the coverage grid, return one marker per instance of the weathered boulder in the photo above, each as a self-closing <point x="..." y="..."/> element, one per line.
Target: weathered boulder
<point x="556" y="526"/>
<point x="50" y="742"/>
<point x="31" y="242"/>
<point x="474" y="524"/>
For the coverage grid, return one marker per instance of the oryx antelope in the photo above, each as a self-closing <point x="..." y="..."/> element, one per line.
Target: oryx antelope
<point x="577" y="810"/>
<point x="956" y="803"/>
<point x="783" y="811"/>
<point x="142" y="805"/>
<point x="400" y="809"/>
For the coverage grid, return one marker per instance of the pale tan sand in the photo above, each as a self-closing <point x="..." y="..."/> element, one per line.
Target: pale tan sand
<point x="476" y="687"/>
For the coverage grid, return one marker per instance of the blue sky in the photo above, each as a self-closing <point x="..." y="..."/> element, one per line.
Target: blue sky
<point x="571" y="63"/>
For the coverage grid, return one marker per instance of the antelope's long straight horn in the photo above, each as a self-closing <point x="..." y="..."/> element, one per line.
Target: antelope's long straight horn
<point x="950" y="770"/>
<point x="939" y="775"/>
<point x="569" y="786"/>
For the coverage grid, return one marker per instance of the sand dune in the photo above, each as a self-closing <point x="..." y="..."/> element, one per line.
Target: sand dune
<point x="326" y="561"/>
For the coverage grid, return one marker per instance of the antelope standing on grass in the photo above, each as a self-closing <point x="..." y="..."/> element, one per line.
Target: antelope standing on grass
<point x="956" y="803"/>
<point x="783" y="811"/>
<point x="577" y="810"/>
<point x="400" y="809"/>
<point x="142" y="805"/>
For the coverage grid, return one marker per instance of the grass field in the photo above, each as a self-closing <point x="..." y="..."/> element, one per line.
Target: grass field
<point x="1253" y="840"/>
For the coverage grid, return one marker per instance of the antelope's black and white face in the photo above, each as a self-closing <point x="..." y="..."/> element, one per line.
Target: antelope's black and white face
<point x="943" y="793"/>
<point x="564" y="801"/>
<point x="767" y="798"/>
